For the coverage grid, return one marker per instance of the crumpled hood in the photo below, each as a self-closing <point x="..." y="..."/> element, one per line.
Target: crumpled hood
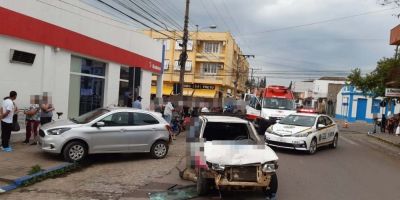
<point x="65" y="123"/>
<point x="234" y="153"/>
<point x="286" y="130"/>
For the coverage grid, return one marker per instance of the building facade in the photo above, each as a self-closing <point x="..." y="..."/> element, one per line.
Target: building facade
<point x="353" y="106"/>
<point x="214" y="61"/>
<point x="81" y="56"/>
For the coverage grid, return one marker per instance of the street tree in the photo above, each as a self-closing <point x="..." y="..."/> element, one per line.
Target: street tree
<point x="375" y="82"/>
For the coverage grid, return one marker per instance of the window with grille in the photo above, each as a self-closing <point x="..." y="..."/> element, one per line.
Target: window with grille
<point x="210" y="68"/>
<point x="211" y="47"/>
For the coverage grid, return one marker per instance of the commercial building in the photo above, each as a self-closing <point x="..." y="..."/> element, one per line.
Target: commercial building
<point x="80" y="55"/>
<point x="214" y="61"/>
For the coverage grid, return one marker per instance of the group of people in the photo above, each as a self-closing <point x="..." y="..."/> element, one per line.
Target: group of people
<point x="391" y="124"/>
<point x="39" y="113"/>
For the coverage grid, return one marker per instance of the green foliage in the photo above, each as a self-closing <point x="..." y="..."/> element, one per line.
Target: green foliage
<point x="374" y="83"/>
<point x="35" y="169"/>
<point x="52" y="174"/>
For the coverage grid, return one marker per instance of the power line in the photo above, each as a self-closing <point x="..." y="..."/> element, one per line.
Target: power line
<point x="317" y="22"/>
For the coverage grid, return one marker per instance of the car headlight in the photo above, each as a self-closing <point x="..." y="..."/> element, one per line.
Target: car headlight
<point x="217" y="167"/>
<point x="57" y="131"/>
<point x="269" y="167"/>
<point x="303" y="134"/>
<point x="269" y="129"/>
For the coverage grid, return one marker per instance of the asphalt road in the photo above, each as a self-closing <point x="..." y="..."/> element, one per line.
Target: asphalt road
<point x="360" y="168"/>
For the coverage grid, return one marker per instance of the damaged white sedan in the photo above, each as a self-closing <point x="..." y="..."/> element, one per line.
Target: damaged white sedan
<point x="232" y="156"/>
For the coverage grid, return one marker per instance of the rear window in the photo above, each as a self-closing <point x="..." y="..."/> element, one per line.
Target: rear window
<point x="225" y="131"/>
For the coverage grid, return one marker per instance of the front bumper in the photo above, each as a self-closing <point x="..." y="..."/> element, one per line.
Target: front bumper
<point x="253" y="178"/>
<point x="297" y="143"/>
<point x="51" y="144"/>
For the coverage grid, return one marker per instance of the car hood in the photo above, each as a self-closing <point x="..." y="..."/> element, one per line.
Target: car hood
<point x="285" y="130"/>
<point x="65" y="123"/>
<point x="234" y="153"/>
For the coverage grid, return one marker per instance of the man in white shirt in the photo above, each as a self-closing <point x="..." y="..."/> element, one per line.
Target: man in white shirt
<point x="6" y="116"/>
<point x="168" y="112"/>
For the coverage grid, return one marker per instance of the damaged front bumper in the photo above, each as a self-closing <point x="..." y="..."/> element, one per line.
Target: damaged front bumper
<point x="240" y="177"/>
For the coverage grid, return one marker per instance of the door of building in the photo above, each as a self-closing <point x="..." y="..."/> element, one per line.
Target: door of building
<point x="361" y="109"/>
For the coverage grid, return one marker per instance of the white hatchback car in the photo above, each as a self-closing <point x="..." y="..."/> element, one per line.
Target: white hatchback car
<point x="302" y="131"/>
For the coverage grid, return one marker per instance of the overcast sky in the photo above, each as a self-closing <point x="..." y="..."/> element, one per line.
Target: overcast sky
<point x="304" y="37"/>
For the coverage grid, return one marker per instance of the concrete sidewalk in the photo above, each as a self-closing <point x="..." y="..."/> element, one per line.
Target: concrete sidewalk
<point x="387" y="138"/>
<point x="19" y="162"/>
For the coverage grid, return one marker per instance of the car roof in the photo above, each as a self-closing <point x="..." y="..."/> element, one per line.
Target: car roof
<point x="216" y="118"/>
<point x="128" y="109"/>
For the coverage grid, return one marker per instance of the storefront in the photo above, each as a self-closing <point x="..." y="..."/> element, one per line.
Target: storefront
<point x="192" y="90"/>
<point x="76" y="57"/>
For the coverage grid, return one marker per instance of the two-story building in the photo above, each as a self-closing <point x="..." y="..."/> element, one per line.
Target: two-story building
<point x="214" y="63"/>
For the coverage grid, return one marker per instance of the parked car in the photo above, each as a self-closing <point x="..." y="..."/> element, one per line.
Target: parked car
<point x="234" y="157"/>
<point x="304" y="132"/>
<point x="107" y="130"/>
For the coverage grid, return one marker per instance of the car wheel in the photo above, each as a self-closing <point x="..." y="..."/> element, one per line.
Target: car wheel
<point x="75" y="151"/>
<point x="273" y="186"/>
<point x="159" y="150"/>
<point x="202" y="184"/>
<point x="313" y="146"/>
<point x="335" y="141"/>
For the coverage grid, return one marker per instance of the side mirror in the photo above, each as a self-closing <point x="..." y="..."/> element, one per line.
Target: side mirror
<point x="320" y="126"/>
<point x="99" y="124"/>
<point x="258" y="106"/>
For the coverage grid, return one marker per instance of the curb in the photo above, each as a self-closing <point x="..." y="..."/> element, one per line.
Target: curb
<point x="19" y="181"/>
<point x="385" y="141"/>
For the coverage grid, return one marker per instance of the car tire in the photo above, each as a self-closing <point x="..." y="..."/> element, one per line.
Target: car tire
<point x="273" y="186"/>
<point x="334" y="142"/>
<point x="313" y="146"/>
<point x="75" y="151"/>
<point x="159" y="150"/>
<point x="202" y="186"/>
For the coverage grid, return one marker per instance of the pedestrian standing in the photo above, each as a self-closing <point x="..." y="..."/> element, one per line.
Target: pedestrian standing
<point x="8" y="110"/>
<point x="138" y="103"/>
<point x="47" y="108"/>
<point x="383" y="123"/>
<point x="168" y="111"/>
<point x="32" y="120"/>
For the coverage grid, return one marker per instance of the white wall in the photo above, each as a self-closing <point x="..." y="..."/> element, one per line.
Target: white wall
<point x="145" y="90"/>
<point x="111" y="90"/>
<point x="321" y="87"/>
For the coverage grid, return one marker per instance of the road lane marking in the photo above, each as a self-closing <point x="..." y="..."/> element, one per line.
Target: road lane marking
<point x="348" y="141"/>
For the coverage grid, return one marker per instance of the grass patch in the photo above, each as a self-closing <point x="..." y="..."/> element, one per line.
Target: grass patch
<point x="35" y="169"/>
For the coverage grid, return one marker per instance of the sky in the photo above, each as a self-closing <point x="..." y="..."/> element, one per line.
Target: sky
<point x="295" y="40"/>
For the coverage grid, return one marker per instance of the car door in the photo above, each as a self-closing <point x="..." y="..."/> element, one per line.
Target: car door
<point x="321" y="130"/>
<point x="331" y="128"/>
<point x="111" y="137"/>
<point x="144" y="129"/>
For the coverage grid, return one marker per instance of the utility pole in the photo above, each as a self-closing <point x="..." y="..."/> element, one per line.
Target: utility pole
<point x="236" y="82"/>
<point x="251" y="77"/>
<point x="183" y="56"/>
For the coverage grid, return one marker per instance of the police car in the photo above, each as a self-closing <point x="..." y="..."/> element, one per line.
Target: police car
<point x="303" y="131"/>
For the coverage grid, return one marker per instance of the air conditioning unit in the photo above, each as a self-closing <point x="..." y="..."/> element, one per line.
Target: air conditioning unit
<point x="22" y="57"/>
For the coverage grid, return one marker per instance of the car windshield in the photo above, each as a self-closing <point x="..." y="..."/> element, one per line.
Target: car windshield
<point x="226" y="131"/>
<point x="298" y="120"/>
<point x="88" y="117"/>
<point x="279" y="103"/>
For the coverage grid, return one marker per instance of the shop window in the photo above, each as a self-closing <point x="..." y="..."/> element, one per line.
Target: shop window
<point x="86" y="89"/>
<point x="129" y="84"/>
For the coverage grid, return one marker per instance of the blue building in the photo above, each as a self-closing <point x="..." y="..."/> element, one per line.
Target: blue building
<point x="352" y="105"/>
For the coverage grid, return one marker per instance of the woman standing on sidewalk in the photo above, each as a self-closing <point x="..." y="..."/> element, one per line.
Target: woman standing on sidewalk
<point x="47" y="109"/>
<point x="32" y="120"/>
